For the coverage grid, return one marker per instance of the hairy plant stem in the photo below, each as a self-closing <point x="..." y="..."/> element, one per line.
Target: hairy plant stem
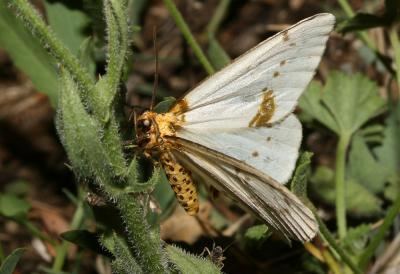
<point x="341" y="150"/>
<point x="50" y="42"/>
<point x="145" y="242"/>
<point x="184" y="28"/>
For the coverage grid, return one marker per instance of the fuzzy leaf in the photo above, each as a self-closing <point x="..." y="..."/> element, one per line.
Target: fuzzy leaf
<point x="344" y="104"/>
<point x="299" y="180"/>
<point x="13" y="207"/>
<point x="359" y="200"/>
<point x="70" y="34"/>
<point x="81" y="134"/>
<point x="27" y="53"/>
<point x="187" y="263"/>
<point x="363" y="167"/>
<point x="124" y="261"/>
<point x="9" y="264"/>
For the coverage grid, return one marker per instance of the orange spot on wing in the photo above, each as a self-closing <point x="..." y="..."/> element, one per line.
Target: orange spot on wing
<point x="265" y="111"/>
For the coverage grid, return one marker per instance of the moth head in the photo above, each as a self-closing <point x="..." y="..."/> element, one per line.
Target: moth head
<point x="145" y="128"/>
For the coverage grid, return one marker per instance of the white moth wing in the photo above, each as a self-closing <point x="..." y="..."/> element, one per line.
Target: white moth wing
<point x="272" y="150"/>
<point x="284" y="64"/>
<point x="261" y="194"/>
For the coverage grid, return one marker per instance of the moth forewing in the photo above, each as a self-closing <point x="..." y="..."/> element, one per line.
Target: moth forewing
<point x="278" y="68"/>
<point x="271" y="201"/>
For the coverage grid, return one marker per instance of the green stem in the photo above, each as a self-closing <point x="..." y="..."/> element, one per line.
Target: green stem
<point x="184" y="28"/>
<point x="378" y="237"/>
<point x="62" y="249"/>
<point x="217" y="18"/>
<point x="332" y="243"/>
<point x="395" y="41"/>
<point x="340" y="184"/>
<point x="328" y="237"/>
<point x="49" y="41"/>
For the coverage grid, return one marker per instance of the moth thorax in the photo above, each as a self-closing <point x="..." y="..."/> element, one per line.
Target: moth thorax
<point x="182" y="183"/>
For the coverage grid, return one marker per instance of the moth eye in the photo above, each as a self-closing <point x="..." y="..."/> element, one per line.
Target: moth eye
<point x="146" y="123"/>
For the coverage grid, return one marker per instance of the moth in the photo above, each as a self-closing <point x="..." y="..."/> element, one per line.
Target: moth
<point x="236" y="132"/>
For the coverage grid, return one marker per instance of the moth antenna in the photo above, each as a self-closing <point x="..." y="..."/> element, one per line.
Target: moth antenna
<point x="153" y="94"/>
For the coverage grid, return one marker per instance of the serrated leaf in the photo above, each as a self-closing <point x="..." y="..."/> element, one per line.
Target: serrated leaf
<point x="310" y="103"/>
<point x="300" y="177"/>
<point x="388" y="153"/>
<point x="9" y="264"/>
<point x="393" y="188"/>
<point x="87" y="240"/>
<point x="344" y="104"/>
<point x="187" y="263"/>
<point x="71" y="34"/>
<point x="360" y="201"/>
<point x="27" y="54"/>
<point x="363" y="167"/>
<point x="13" y="207"/>
<point x="362" y="21"/>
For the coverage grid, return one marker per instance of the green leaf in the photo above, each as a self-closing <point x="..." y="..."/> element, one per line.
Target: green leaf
<point x="87" y="240"/>
<point x="363" y="167"/>
<point x="71" y="34"/>
<point x="310" y="103"/>
<point x="165" y="105"/>
<point x="81" y="134"/>
<point x="389" y="153"/>
<point x="362" y="21"/>
<point x="218" y="57"/>
<point x="344" y="104"/>
<point x="13" y="207"/>
<point x="27" y="53"/>
<point x="9" y="264"/>
<point x="360" y="201"/>
<point x="187" y="263"/>
<point x="165" y="196"/>
<point x="257" y="233"/>
<point x="300" y="177"/>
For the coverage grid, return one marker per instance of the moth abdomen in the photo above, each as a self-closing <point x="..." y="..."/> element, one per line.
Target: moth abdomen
<point x="182" y="184"/>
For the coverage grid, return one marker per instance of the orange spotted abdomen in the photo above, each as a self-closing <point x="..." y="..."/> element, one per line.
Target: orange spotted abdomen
<point x="182" y="183"/>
